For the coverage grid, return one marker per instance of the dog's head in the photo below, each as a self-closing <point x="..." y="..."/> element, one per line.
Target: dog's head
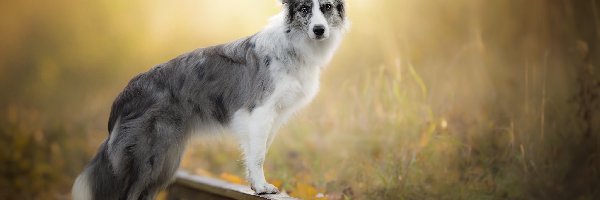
<point x="317" y="18"/>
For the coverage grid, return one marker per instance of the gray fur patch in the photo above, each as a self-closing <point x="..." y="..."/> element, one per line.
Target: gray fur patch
<point x="299" y="13"/>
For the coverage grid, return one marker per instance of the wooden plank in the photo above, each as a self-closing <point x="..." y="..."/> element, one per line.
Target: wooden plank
<point x="188" y="186"/>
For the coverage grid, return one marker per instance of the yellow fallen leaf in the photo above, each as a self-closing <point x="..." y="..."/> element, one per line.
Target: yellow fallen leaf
<point x="276" y="182"/>
<point x="305" y="191"/>
<point x="231" y="178"/>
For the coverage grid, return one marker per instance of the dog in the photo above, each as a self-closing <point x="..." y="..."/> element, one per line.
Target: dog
<point x="250" y="86"/>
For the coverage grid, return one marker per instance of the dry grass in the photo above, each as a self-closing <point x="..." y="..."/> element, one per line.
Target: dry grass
<point x="425" y="99"/>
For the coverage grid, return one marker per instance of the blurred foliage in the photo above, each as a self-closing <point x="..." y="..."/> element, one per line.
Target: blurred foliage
<point x="435" y="99"/>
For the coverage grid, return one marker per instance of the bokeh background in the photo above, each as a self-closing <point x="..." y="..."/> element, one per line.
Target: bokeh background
<point x="436" y="99"/>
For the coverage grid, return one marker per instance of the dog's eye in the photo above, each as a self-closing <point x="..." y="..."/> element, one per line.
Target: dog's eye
<point x="327" y="7"/>
<point x="305" y="9"/>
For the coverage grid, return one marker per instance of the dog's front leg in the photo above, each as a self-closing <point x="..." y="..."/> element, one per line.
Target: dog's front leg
<point x="253" y="129"/>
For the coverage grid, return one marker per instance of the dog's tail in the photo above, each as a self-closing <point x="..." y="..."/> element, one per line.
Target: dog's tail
<point x="82" y="189"/>
<point x="98" y="180"/>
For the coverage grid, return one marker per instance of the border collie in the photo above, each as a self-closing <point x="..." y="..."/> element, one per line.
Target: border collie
<point x="250" y="86"/>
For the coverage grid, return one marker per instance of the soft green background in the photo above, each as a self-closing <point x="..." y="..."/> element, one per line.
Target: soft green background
<point x="426" y="99"/>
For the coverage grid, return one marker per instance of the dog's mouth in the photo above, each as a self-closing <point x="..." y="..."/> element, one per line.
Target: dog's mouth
<point x="319" y="38"/>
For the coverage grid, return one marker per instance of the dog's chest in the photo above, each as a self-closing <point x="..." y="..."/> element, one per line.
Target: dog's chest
<point x="293" y="90"/>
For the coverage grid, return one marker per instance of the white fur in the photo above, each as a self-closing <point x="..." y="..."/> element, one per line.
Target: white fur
<point x="293" y="90"/>
<point x="81" y="188"/>
<point x="317" y="19"/>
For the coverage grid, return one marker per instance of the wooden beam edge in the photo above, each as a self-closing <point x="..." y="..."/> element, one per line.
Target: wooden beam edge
<point x="223" y="188"/>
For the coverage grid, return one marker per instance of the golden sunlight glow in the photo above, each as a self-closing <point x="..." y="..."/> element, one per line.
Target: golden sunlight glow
<point x="511" y="84"/>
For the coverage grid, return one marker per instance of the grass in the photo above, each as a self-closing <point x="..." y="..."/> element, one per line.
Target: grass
<point x="424" y="100"/>
<point x="381" y="143"/>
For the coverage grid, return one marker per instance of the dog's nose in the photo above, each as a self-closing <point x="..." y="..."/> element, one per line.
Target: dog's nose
<point x="319" y="30"/>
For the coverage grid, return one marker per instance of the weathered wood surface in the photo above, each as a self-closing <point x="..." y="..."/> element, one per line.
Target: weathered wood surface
<point x="190" y="187"/>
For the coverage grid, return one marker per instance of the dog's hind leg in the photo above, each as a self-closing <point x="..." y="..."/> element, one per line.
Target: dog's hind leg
<point x="152" y="153"/>
<point x="170" y="163"/>
<point x="253" y="130"/>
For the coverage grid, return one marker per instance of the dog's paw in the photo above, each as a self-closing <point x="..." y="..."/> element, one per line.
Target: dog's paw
<point x="264" y="188"/>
